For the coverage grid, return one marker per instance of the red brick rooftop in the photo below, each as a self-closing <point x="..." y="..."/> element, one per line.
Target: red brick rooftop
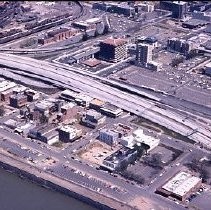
<point x="114" y="41"/>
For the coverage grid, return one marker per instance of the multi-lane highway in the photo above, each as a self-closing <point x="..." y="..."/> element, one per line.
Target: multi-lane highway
<point x="149" y="109"/>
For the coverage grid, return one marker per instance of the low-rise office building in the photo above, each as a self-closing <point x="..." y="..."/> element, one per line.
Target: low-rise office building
<point x="149" y="40"/>
<point x="69" y="108"/>
<point x="48" y="106"/>
<point x="35" y="116"/>
<point x="6" y="89"/>
<point x="92" y="119"/>
<point x="68" y="111"/>
<point x="91" y="62"/>
<point x="108" y="136"/>
<point x="155" y="66"/>
<point x="123" y="130"/>
<point x="69" y="133"/>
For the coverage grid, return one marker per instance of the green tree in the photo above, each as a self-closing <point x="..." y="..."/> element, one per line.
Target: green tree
<point x="43" y="119"/>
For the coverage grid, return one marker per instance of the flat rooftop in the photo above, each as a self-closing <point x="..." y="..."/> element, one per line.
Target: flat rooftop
<point x="97" y="102"/>
<point x="195" y="22"/>
<point x="57" y="31"/>
<point x="18" y="96"/>
<point x="114" y="41"/>
<point x="181" y="184"/>
<point x="92" y="62"/>
<point x="120" y="155"/>
<point x="69" y="129"/>
<point x="180" y="2"/>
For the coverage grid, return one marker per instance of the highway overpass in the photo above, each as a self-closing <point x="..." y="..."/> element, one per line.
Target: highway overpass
<point x="166" y="116"/>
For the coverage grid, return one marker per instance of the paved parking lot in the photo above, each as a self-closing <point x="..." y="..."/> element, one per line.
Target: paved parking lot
<point x="201" y="201"/>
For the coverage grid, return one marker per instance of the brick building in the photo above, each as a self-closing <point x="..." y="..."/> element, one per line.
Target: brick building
<point x="58" y="35"/>
<point x="18" y="100"/>
<point x="113" y="49"/>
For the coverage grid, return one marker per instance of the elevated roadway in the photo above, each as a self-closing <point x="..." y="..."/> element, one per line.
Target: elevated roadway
<point x="149" y="109"/>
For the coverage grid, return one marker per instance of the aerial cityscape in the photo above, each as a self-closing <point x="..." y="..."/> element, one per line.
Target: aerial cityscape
<point x="108" y="102"/>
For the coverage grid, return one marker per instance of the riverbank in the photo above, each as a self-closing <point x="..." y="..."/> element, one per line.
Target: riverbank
<point x="48" y="180"/>
<point x="19" y="193"/>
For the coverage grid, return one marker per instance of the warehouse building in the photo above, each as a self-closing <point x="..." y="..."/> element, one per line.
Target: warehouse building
<point x="58" y="35"/>
<point x="43" y="133"/>
<point x="113" y="49"/>
<point x="92" y="27"/>
<point x="68" y="95"/>
<point x="6" y="85"/>
<point x="82" y="55"/>
<point x="10" y="123"/>
<point x="181" y="186"/>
